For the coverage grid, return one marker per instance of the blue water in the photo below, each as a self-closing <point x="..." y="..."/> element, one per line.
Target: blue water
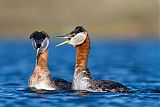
<point x="135" y="63"/>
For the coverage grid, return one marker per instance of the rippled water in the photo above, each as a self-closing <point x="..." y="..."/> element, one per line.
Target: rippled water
<point x="135" y="63"/>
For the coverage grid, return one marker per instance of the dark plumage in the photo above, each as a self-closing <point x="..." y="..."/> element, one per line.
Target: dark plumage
<point x="39" y="36"/>
<point x="62" y="84"/>
<point x="110" y="86"/>
<point x="98" y="85"/>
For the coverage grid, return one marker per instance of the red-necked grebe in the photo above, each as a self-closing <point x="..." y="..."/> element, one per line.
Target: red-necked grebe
<point x="82" y="79"/>
<point x="40" y="79"/>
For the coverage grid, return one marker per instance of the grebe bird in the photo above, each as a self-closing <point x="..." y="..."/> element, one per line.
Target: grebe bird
<point x="82" y="79"/>
<point x="40" y="79"/>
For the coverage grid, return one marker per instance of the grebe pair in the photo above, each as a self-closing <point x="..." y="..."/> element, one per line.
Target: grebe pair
<point x="82" y="79"/>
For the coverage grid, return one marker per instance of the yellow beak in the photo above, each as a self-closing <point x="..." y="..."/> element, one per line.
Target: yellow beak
<point x="63" y="43"/>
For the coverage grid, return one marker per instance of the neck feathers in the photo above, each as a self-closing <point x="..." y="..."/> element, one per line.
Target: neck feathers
<point x="82" y="52"/>
<point x="41" y="75"/>
<point x="42" y="60"/>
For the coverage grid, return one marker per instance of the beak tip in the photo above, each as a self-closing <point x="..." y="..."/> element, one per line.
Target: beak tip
<point x="57" y="45"/>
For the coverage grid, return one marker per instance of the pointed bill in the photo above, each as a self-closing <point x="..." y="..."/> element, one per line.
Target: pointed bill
<point x="65" y="42"/>
<point x="37" y="55"/>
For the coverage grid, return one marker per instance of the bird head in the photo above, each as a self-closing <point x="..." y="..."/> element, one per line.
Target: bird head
<point x="40" y="41"/>
<point x="76" y="37"/>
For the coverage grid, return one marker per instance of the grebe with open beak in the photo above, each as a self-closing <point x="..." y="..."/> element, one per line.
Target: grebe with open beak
<point x="82" y="79"/>
<point x="40" y="79"/>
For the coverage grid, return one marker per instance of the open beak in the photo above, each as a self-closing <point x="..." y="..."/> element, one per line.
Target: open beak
<point x="65" y="42"/>
<point x="67" y="36"/>
<point x="37" y="54"/>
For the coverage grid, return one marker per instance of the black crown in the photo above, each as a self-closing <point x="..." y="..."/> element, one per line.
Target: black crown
<point x="79" y="29"/>
<point x="39" y="35"/>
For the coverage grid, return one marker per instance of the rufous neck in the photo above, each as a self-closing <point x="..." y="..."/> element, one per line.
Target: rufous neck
<point x="42" y="60"/>
<point x="82" y="52"/>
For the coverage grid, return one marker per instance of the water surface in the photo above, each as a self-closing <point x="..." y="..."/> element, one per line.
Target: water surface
<point x="134" y="63"/>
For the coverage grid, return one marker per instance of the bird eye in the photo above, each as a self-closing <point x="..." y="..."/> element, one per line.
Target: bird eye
<point x="72" y="35"/>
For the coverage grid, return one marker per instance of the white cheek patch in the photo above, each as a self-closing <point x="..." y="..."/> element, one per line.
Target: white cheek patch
<point x="78" y="39"/>
<point x="44" y="45"/>
<point x="33" y="44"/>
